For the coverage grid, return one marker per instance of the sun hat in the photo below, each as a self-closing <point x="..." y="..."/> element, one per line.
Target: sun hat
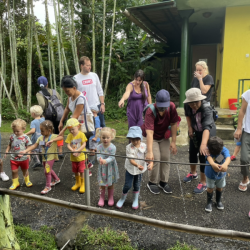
<point x="72" y="122"/>
<point x="42" y="81"/>
<point x="162" y="99"/>
<point x="95" y="108"/>
<point x="194" y="95"/>
<point x="134" y="132"/>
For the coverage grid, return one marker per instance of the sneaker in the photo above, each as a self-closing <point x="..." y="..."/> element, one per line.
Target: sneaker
<point x="46" y="190"/>
<point x="190" y="177"/>
<point x="90" y="173"/>
<point x="153" y="188"/>
<point x="165" y="187"/>
<point x="233" y="158"/>
<point x="90" y="165"/>
<point x="200" y="188"/>
<point x="4" y="176"/>
<point x="36" y="165"/>
<point x="53" y="183"/>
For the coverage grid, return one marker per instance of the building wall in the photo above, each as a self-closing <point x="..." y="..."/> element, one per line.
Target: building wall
<point x="235" y="64"/>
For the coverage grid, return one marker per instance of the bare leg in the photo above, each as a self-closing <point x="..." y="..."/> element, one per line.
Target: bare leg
<point x="193" y="169"/>
<point x="236" y="150"/>
<point x="203" y="178"/>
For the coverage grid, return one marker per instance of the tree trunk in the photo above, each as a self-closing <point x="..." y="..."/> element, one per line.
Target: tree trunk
<point x="49" y="38"/>
<point x="110" y="51"/>
<point x="2" y="61"/>
<point x="8" y="236"/>
<point x="103" y="40"/>
<point x="50" y="74"/>
<point x="29" y="55"/>
<point x="37" y="42"/>
<point x="93" y="35"/>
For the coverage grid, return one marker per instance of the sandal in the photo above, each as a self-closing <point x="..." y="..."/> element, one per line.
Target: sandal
<point x="243" y="185"/>
<point x="53" y="183"/>
<point x="46" y="190"/>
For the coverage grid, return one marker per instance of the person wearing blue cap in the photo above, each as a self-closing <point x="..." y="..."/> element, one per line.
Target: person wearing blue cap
<point x="134" y="168"/>
<point x="158" y="117"/>
<point x="42" y="81"/>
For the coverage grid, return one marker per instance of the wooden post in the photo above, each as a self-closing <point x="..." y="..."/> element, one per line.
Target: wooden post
<point x="8" y="238"/>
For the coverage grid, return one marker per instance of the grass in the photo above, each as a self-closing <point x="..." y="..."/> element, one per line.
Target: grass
<point x="31" y="239"/>
<point x="182" y="246"/>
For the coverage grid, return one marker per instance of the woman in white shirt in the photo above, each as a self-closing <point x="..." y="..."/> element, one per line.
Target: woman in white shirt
<point x="243" y="133"/>
<point x="76" y="100"/>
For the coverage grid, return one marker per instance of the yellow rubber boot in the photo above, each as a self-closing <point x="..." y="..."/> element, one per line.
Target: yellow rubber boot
<point x="82" y="188"/>
<point x="15" y="184"/>
<point x="78" y="183"/>
<point x="27" y="181"/>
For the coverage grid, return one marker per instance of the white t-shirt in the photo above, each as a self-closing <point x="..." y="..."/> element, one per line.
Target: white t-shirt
<point x="90" y="86"/>
<point x="77" y="101"/>
<point x="246" y="120"/>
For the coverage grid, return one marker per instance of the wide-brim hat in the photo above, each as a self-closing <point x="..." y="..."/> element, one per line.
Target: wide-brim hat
<point x="134" y="132"/>
<point x="194" y="95"/>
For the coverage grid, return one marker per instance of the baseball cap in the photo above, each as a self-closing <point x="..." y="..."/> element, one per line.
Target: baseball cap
<point x="42" y="81"/>
<point x="72" y="122"/>
<point x="162" y="99"/>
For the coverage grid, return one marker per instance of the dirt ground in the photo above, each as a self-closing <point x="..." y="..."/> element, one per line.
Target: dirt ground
<point x="172" y="208"/>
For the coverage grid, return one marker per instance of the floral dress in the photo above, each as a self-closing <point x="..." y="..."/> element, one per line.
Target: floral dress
<point x="108" y="174"/>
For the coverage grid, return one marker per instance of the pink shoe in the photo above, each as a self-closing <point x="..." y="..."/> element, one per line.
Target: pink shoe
<point x="46" y="190"/>
<point x="90" y="165"/>
<point x="102" y="197"/>
<point x="90" y="173"/>
<point x="111" y="197"/>
<point x="53" y="183"/>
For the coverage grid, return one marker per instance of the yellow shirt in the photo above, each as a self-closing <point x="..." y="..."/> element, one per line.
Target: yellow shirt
<point x="76" y="142"/>
<point x="51" y="149"/>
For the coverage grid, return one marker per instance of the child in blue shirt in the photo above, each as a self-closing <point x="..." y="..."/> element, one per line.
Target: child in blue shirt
<point x="215" y="171"/>
<point x="36" y="112"/>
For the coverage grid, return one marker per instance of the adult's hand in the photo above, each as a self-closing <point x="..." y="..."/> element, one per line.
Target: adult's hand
<point x="102" y="108"/>
<point x="149" y="156"/>
<point x="173" y="148"/>
<point x="204" y="150"/>
<point x="238" y="134"/>
<point x="197" y="75"/>
<point x="60" y="127"/>
<point x="190" y="132"/>
<point x="121" y="103"/>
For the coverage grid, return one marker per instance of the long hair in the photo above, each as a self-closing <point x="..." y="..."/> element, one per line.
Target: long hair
<point x="140" y="73"/>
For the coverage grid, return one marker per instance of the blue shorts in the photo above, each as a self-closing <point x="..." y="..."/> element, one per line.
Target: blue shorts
<point x="238" y="143"/>
<point x="219" y="183"/>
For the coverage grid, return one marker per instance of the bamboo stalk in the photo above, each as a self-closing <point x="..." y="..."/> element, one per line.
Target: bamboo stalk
<point x="212" y="232"/>
<point x="110" y="51"/>
<point x="103" y="40"/>
<point x="93" y="35"/>
<point x="50" y="74"/>
<point x="37" y="43"/>
<point x="2" y="60"/>
<point x="29" y="56"/>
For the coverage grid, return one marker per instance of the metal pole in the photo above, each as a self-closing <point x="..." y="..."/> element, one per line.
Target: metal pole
<point x="184" y="60"/>
<point x="87" y="183"/>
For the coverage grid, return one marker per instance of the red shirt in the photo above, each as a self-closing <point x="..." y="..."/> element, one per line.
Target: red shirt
<point x="159" y="124"/>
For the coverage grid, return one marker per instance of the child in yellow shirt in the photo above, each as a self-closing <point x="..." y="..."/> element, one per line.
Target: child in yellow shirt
<point x="76" y="142"/>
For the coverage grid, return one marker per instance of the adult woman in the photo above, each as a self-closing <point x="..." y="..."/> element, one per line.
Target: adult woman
<point x="243" y="133"/>
<point x="43" y="102"/>
<point x="76" y="100"/>
<point x="202" y="80"/>
<point x="158" y="117"/>
<point x="138" y="95"/>
<point x="201" y="126"/>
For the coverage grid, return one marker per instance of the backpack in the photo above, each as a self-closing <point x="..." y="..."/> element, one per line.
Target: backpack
<point x="215" y="112"/>
<point x="55" y="109"/>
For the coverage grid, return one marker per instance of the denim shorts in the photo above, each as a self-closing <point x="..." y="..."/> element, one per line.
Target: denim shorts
<point x="219" y="183"/>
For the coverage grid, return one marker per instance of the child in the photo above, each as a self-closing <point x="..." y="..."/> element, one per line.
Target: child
<point x="47" y="141"/>
<point x="215" y="171"/>
<point x="76" y="141"/>
<point x="3" y="176"/>
<point x="36" y="112"/>
<point x="18" y="142"/>
<point x="107" y="169"/>
<point x="134" y="168"/>
<point x="93" y="140"/>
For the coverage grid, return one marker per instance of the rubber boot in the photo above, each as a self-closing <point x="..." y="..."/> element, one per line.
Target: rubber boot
<point x="209" y="205"/>
<point x="120" y="203"/>
<point x="78" y="183"/>
<point x="111" y="197"/>
<point x="219" y="204"/>
<point x="15" y="184"/>
<point x="102" y="197"/>
<point x="82" y="188"/>
<point x="135" y="204"/>
<point x="27" y="181"/>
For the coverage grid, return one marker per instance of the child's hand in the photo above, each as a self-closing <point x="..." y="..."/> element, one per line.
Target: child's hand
<point x="20" y="154"/>
<point x="216" y="167"/>
<point x="223" y="167"/>
<point x="48" y="144"/>
<point x="102" y="161"/>
<point x="150" y="166"/>
<point x="94" y="139"/>
<point x="76" y="154"/>
<point x="28" y="156"/>
<point x="140" y="167"/>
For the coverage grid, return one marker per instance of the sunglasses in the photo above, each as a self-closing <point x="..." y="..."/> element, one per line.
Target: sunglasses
<point x="161" y="109"/>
